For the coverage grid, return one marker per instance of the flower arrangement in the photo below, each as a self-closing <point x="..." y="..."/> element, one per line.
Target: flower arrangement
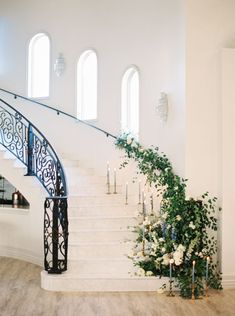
<point x="182" y="233"/>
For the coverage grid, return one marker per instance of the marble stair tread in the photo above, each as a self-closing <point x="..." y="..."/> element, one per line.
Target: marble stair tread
<point x="114" y="223"/>
<point x="100" y="283"/>
<point x="102" y="235"/>
<point x="103" y="210"/>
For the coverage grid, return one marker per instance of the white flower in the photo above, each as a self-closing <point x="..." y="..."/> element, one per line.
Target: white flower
<point x="149" y="273"/>
<point x="134" y="144"/>
<point x="161" y="239"/>
<point x="146" y="222"/>
<point x="181" y="248"/>
<point x="131" y="254"/>
<point x="129" y="139"/>
<point x="168" y="226"/>
<point x="178" y="218"/>
<point x="163" y="249"/>
<point x="200" y="254"/>
<point x="141" y="272"/>
<point x="166" y="259"/>
<point x="191" y="225"/>
<point x="160" y="291"/>
<point x="140" y="254"/>
<point x="159" y="222"/>
<point x="164" y="216"/>
<point x="141" y="150"/>
<point x="178" y="254"/>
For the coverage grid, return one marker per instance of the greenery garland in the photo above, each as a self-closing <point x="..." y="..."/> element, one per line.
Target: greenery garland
<point x="182" y="231"/>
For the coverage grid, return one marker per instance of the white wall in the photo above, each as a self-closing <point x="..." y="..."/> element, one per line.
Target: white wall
<point x="210" y="26"/>
<point x="228" y="159"/>
<point x="149" y="34"/>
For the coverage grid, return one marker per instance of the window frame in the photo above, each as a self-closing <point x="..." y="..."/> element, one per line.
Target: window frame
<point x="126" y="79"/>
<point x="79" y="104"/>
<point x="28" y="70"/>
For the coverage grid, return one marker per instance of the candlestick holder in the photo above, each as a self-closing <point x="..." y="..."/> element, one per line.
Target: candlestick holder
<point x="115" y="188"/>
<point x="193" y="291"/>
<point x="108" y="191"/>
<point x="170" y="294"/>
<point x="206" y="290"/>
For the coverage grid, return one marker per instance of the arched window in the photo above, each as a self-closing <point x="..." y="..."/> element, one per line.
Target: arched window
<point x="39" y="66"/>
<point x="87" y="86"/>
<point x="130" y="102"/>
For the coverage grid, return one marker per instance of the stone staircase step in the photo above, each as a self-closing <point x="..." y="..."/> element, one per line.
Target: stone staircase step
<point x="109" y="266"/>
<point x="112" y="250"/>
<point x="101" y="236"/>
<point x="103" y="210"/>
<point x="95" y="223"/>
<point x="104" y="199"/>
<point x="100" y="283"/>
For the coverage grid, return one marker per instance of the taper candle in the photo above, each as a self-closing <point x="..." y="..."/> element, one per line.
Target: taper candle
<point x="107" y="170"/>
<point x="115" y="181"/>
<point x="171" y="262"/>
<point x="207" y="267"/>
<point x="139" y="191"/>
<point x="126" y="192"/>
<point x="144" y="209"/>
<point x="193" y="272"/>
<point x="108" y="180"/>
<point x="151" y="201"/>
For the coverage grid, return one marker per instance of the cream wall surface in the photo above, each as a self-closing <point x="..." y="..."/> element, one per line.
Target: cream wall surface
<point x="149" y="34"/>
<point x="210" y="27"/>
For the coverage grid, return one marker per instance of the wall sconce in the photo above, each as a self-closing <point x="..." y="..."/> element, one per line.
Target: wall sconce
<point x="162" y="107"/>
<point x="59" y="65"/>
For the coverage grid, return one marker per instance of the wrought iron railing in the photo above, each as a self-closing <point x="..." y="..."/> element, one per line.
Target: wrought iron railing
<point x="29" y="145"/>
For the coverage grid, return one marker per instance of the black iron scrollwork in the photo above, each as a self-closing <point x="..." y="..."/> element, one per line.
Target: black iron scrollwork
<point x="29" y="145"/>
<point x="55" y="234"/>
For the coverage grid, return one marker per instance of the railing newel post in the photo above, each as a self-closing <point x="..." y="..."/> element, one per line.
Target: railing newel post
<point x="30" y="165"/>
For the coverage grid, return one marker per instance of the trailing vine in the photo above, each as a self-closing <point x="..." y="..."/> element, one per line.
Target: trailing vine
<point x="182" y="231"/>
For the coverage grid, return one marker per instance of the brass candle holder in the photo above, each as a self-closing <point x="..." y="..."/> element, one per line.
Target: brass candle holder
<point x="193" y="291"/>
<point x="171" y="294"/>
<point x="143" y="247"/>
<point x="206" y="289"/>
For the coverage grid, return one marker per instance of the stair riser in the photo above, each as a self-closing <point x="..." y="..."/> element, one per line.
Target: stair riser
<point x="70" y="283"/>
<point x="92" y="189"/>
<point x="101" y="236"/>
<point x="112" y="199"/>
<point x="102" y="223"/>
<point x="110" y="267"/>
<point x="100" y="251"/>
<point x="102" y="210"/>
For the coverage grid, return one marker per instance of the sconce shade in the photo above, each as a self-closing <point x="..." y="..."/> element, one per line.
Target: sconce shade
<point x="59" y="65"/>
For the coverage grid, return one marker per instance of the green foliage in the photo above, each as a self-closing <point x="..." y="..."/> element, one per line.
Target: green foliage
<point x="182" y="232"/>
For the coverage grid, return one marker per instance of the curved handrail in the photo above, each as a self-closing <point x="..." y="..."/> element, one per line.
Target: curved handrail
<point x="59" y="112"/>
<point x="27" y="143"/>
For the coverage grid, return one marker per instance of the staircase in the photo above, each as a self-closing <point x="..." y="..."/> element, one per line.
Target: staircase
<point x="99" y="238"/>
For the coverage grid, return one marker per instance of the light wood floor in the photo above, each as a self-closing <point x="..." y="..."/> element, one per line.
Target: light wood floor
<point x="21" y="295"/>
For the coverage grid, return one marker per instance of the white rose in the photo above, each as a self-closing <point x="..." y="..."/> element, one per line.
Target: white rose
<point x="149" y="273"/>
<point x="160" y="291"/>
<point x="164" y="216"/>
<point x="141" y="272"/>
<point x="178" y="218"/>
<point x="129" y="140"/>
<point x="191" y="225"/>
<point x="166" y="259"/>
<point x="163" y="249"/>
